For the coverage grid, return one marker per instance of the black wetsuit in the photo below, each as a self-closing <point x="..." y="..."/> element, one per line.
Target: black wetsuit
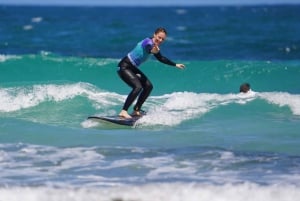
<point x="134" y="77"/>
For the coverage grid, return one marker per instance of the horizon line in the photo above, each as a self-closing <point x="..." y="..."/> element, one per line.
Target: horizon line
<point x="148" y="5"/>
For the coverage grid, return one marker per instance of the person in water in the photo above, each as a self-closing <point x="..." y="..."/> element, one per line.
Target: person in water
<point x="129" y="72"/>
<point x="245" y="88"/>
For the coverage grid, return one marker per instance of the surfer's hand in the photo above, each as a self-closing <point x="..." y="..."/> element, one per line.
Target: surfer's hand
<point x="181" y="66"/>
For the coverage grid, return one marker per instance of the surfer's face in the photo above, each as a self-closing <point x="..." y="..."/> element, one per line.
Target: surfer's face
<point x="159" y="37"/>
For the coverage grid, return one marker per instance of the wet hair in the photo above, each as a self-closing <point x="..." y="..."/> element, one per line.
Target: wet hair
<point x="245" y="87"/>
<point x="160" y="29"/>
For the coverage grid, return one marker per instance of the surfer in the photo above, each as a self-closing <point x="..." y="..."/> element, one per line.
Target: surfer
<point x="129" y="72"/>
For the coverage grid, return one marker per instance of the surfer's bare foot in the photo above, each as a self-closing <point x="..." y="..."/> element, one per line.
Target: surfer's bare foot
<point x="135" y="113"/>
<point x="138" y="113"/>
<point x="124" y="114"/>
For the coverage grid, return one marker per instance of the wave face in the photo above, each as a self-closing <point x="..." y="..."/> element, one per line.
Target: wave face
<point x="35" y="86"/>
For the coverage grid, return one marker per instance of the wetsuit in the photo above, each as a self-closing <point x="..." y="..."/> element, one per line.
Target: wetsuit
<point x="130" y="73"/>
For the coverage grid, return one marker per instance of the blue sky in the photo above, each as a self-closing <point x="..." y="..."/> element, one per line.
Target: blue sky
<point x="147" y="2"/>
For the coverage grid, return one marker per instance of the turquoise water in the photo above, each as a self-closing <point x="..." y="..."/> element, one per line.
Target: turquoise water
<point x="200" y="136"/>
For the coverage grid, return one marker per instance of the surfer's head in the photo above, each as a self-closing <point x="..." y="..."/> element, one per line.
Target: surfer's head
<point x="245" y="87"/>
<point x="159" y="36"/>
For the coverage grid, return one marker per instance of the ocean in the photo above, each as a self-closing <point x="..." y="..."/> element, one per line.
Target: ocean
<point x="200" y="140"/>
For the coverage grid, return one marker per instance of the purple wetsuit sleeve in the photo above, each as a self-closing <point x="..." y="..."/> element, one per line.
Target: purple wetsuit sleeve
<point x="147" y="44"/>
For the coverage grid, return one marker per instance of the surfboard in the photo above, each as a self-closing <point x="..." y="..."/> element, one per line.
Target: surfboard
<point x="116" y="119"/>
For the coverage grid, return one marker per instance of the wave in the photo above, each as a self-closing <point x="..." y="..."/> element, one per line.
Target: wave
<point x="167" y="110"/>
<point x="46" y="88"/>
<point x="158" y="192"/>
<point x="4" y="58"/>
<point x="110" y="165"/>
<point x="283" y="99"/>
<point x="17" y="98"/>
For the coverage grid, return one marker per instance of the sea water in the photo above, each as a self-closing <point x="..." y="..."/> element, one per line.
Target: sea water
<point x="201" y="138"/>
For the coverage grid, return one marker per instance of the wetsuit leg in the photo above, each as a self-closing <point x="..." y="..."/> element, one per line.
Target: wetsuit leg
<point x="147" y="88"/>
<point x="130" y="78"/>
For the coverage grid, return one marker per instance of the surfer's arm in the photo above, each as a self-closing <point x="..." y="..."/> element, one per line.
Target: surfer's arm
<point x="167" y="61"/>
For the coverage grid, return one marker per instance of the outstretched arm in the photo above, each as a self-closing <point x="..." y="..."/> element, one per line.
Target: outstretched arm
<point x="167" y="61"/>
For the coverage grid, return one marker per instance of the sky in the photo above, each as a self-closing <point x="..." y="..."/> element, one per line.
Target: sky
<point x="146" y="2"/>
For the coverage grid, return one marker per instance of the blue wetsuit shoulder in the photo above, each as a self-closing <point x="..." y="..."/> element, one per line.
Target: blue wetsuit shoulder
<point x="141" y="52"/>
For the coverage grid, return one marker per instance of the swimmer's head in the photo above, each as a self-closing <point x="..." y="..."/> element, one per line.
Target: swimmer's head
<point x="244" y="88"/>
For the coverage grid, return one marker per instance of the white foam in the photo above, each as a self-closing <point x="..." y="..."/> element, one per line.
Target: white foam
<point x="16" y="98"/>
<point x="173" y="172"/>
<point x="115" y="166"/>
<point x="27" y="27"/>
<point x="43" y="162"/>
<point x="157" y="192"/>
<point x="177" y="107"/>
<point x="89" y="124"/>
<point x="4" y="58"/>
<point x="181" y="106"/>
<point x="36" y="19"/>
<point x="227" y="155"/>
<point x="283" y="99"/>
<point x="153" y="162"/>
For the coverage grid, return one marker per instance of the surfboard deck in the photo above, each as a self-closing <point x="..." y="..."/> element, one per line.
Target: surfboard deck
<point x="116" y="119"/>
